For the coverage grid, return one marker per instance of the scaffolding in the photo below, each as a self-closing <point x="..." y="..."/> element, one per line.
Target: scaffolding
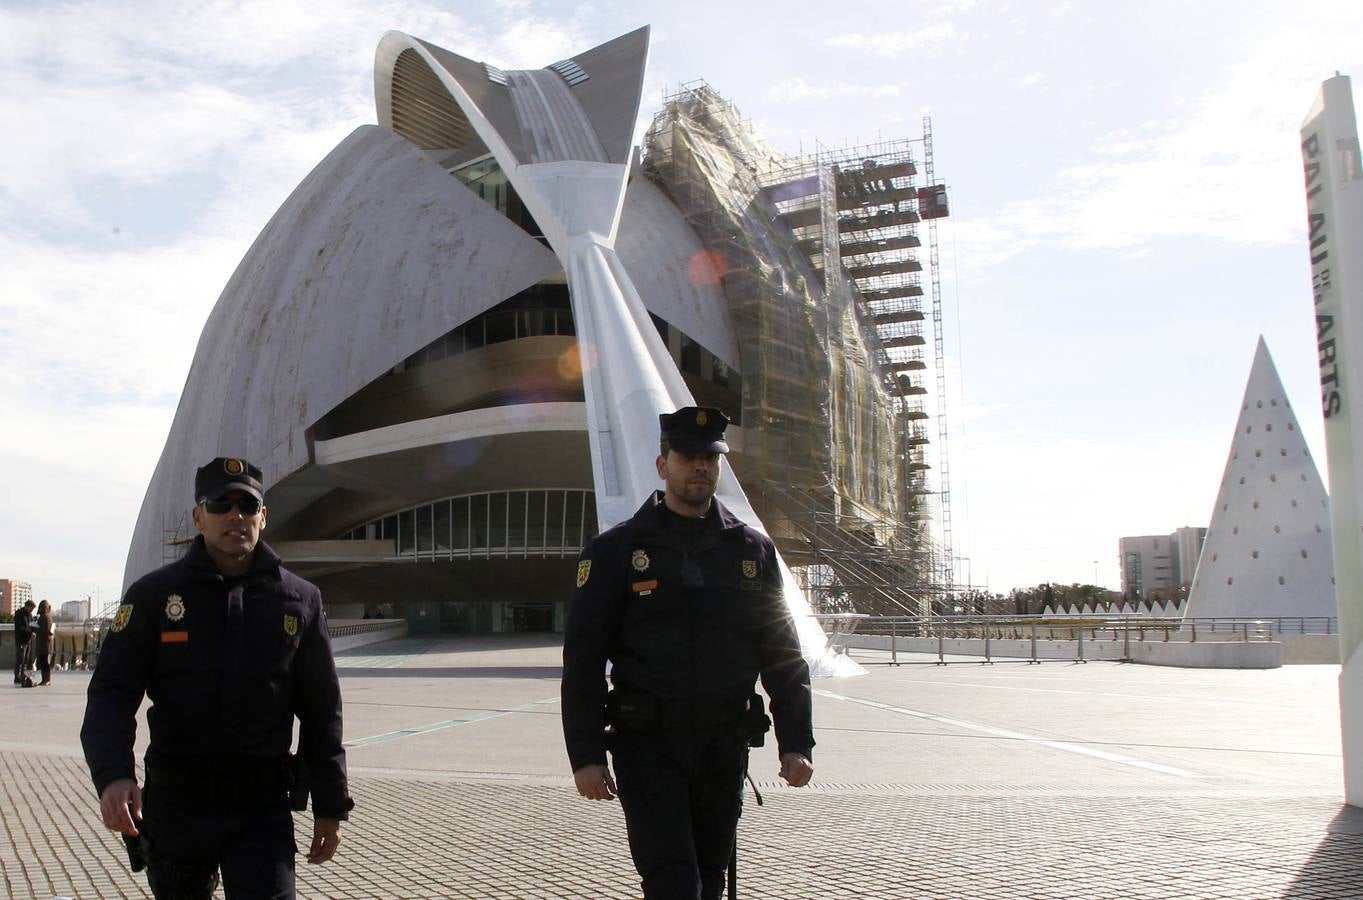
<point x="177" y="533"/>
<point x="824" y="285"/>
<point x="935" y="207"/>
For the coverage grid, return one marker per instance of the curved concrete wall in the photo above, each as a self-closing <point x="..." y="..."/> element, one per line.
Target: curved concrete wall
<point x="375" y="254"/>
<point x="661" y="253"/>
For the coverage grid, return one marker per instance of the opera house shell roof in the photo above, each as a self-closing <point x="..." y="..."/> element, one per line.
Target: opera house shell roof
<point x="406" y="351"/>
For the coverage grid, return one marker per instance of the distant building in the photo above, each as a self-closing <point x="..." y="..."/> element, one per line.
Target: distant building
<point x="14" y="594"/>
<point x="1159" y="565"/>
<point x="1188" y="542"/>
<point x="76" y="610"/>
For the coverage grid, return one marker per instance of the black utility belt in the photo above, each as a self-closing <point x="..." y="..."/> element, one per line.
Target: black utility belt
<point x="637" y="712"/>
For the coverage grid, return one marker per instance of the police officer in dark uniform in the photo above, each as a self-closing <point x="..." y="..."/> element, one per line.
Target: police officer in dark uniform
<point x="685" y="602"/>
<point x="230" y="647"/>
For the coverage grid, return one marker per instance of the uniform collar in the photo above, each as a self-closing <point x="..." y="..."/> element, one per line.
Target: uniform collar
<point x="649" y="518"/>
<point x="265" y="559"/>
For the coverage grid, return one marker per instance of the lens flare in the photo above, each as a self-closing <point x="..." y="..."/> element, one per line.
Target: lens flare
<point x="706" y="267"/>
<point x="572" y="361"/>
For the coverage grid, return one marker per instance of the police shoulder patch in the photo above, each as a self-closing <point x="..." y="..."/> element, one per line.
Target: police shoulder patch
<point x="290" y="625"/>
<point x="749" y="568"/>
<point x="125" y="612"/>
<point x="584" y="571"/>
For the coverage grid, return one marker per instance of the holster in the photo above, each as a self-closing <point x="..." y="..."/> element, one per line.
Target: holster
<point x="756" y="722"/>
<point x="633" y="712"/>
<point x="137" y="860"/>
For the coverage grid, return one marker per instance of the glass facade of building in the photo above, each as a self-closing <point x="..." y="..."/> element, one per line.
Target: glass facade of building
<point x="537" y="523"/>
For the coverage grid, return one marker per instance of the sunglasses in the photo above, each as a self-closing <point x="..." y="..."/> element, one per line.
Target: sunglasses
<point x="249" y="506"/>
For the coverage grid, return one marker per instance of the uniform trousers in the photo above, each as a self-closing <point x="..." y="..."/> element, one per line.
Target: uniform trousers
<point x="682" y="794"/>
<point x="243" y="826"/>
<point x="23" y="657"/>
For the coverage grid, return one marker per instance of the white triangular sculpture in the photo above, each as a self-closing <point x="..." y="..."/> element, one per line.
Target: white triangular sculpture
<point x="1048" y="611"/>
<point x="1127" y="610"/>
<point x="1073" y="610"/>
<point x="1267" y="553"/>
<point x="1086" y="611"/>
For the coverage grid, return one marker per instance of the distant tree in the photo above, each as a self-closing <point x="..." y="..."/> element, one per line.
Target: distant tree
<point x="1059" y="597"/>
<point x="972" y="602"/>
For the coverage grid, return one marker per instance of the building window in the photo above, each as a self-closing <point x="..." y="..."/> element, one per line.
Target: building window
<point x="541" y="523"/>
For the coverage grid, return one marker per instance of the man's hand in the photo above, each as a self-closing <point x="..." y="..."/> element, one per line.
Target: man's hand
<point x="595" y="782"/>
<point x="326" y="837"/>
<point x="796" y="769"/>
<point x="120" y="806"/>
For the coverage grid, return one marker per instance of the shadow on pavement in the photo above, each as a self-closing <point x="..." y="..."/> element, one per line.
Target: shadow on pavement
<point x="1335" y="868"/>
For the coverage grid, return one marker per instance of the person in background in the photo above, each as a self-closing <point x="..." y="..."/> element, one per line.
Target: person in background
<point x="23" y="643"/>
<point x="43" y="633"/>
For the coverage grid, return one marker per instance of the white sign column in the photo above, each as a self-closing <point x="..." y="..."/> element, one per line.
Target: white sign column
<point x="1334" y="198"/>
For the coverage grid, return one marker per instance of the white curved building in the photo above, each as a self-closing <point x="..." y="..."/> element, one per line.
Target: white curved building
<point x="448" y="347"/>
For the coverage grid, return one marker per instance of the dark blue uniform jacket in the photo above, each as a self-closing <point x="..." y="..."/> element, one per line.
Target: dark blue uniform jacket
<point x="701" y="649"/>
<point x="219" y="690"/>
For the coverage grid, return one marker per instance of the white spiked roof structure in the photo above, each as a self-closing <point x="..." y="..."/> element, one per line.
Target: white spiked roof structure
<point x="1267" y="553"/>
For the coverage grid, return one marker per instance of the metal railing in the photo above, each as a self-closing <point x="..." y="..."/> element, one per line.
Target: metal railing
<point x="1098" y="623"/>
<point x="73" y="647"/>
<point x="1031" y="629"/>
<point x="348" y="629"/>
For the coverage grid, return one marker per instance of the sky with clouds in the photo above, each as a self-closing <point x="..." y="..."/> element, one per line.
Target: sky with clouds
<point x="1126" y="188"/>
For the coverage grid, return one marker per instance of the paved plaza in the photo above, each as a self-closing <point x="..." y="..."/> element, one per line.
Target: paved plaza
<point x="1057" y="780"/>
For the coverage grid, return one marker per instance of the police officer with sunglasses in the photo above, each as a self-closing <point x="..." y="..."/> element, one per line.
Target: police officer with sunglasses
<point x="685" y="602"/>
<point x="230" y="647"/>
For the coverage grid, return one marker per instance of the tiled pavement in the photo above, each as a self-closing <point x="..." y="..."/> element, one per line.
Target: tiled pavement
<point x="1053" y="781"/>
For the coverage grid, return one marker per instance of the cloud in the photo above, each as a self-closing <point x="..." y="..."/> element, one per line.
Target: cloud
<point x="1230" y="169"/>
<point x="1066" y="530"/>
<point x="106" y="99"/>
<point x="186" y="130"/>
<point x="896" y="43"/>
<point x="798" y="89"/>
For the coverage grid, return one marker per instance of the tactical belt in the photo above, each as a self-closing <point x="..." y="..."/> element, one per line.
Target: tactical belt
<point x="636" y="712"/>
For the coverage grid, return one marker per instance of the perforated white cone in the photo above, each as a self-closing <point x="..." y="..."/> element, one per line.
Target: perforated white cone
<point x="1267" y="553"/>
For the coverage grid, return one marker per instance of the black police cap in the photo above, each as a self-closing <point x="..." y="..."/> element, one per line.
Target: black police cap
<point x="226" y="474"/>
<point x="695" y="429"/>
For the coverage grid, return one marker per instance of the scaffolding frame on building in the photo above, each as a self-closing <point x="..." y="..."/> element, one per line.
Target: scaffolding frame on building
<point x="851" y="217"/>
<point x="937" y="195"/>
